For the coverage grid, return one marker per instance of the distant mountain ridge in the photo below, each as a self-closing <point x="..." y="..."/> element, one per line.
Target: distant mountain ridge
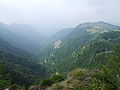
<point x="28" y="32"/>
<point x="22" y="36"/>
<point x="60" y="35"/>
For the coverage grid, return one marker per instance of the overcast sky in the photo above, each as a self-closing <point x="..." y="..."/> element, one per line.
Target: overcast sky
<point x="49" y="16"/>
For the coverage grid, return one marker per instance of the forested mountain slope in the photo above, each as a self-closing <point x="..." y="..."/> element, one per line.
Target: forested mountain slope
<point x="97" y="67"/>
<point x="93" y="54"/>
<point x="89" y="58"/>
<point x="17" y="66"/>
<point x="62" y="55"/>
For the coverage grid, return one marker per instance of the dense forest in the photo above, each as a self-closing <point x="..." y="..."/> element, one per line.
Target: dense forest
<point x="86" y="57"/>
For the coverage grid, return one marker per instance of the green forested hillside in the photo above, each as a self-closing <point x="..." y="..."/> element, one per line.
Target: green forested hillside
<point x="105" y="78"/>
<point x="93" y="54"/>
<point x="17" y="66"/>
<point x="81" y="48"/>
<point x="89" y="57"/>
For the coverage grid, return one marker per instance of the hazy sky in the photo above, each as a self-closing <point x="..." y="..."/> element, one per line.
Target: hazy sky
<point x="49" y="16"/>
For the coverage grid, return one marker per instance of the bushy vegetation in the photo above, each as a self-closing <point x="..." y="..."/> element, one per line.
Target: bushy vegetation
<point x="43" y="84"/>
<point x="5" y="79"/>
<point x="51" y="80"/>
<point x="16" y="87"/>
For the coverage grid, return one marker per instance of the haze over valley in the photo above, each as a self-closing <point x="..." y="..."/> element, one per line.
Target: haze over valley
<point x="59" y="45"/>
